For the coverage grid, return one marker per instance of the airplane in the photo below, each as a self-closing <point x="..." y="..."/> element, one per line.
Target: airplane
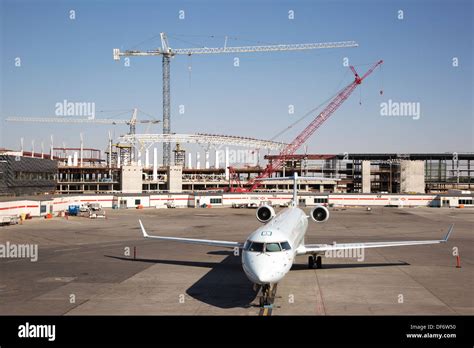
<point x="269" y="252"/>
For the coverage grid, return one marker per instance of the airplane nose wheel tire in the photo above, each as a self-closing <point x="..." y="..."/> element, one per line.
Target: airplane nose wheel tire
<point x="268" y="292"/>
<point x="311" y="262"/>
<point x="319" y="262"/>
<point x="315" y="262"/>
<point x="264" y="297"/>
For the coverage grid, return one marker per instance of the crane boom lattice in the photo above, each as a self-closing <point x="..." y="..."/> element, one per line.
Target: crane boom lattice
<point x="291" y="148"/>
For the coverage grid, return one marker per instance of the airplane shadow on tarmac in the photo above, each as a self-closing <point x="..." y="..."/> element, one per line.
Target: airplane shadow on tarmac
<point x="224" y="286"/>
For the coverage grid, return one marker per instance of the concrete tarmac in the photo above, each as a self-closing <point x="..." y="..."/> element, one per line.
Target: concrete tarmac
<point x="87" y="267"/>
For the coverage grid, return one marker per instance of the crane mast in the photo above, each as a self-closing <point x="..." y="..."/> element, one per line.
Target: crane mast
<point x="292" y="147"/>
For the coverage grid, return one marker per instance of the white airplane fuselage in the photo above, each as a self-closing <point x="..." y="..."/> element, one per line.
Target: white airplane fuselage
<point x="270" y="259"/>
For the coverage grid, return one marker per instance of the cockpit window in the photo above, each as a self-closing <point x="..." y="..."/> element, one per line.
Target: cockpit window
<point x="271" y="247"/>
<point x="258" y="247"/>
<point x="266" y="247"/>
<point x="247" y="244"/>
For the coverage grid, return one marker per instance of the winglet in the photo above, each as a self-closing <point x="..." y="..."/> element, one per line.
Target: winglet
<point x="450" y="229"/>
<point x="143" y="229"/>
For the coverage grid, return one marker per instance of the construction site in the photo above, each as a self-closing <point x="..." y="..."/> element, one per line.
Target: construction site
<point x="90" y="200"/>
<point x="132" y="163"/>
<point x="171" y="169"/>
<point x="93" y="171"/>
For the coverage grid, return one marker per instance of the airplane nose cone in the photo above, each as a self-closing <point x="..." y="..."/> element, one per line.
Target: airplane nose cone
<point x="262" y="270"/>
<point x="264" y="279"/>
<point x="264" y="275"/>
<point x="260" y="277"/>
<point x="269" y="277"/>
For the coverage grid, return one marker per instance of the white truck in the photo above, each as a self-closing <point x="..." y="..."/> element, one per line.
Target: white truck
<point x="9" y="220"/>
<point x="92" y="211"/>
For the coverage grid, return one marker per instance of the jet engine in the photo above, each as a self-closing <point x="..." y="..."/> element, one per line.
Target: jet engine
<point x="265" y="213"/>
<point x="320" y="214"/>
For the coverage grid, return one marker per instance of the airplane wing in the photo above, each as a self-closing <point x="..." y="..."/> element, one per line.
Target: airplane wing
<point x="218" y="243"/>
<point x="318" y="248"/>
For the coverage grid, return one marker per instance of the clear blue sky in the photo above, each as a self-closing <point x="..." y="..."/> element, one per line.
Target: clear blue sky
<point x="72" y="59"/>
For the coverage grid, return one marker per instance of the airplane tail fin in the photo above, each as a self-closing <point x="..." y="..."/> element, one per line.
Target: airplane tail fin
<point x="295" y="179"/>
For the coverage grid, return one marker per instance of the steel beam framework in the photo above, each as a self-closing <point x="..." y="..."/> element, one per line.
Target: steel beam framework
<point x="146" y="140"/>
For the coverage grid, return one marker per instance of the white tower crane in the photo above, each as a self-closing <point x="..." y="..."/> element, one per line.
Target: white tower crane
<point x="132" y="122"/>
<point x="167" y="52"/>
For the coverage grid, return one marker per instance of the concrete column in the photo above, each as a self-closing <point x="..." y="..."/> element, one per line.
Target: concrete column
<point x="131" y="179"/>
<point x="365" y="176"/>
<point x="139" y="158"/>
<point x="175" y="178"/>
<point x="74" y="161"/>
<point x="118" y="158"/>
<point x="155" y="164"/>
<point x="147" y="158"/>
<point x="216" y="163"/>
<point x="227" y="163"/>
<point x="412" y="176"/>
<point x="190" y="160"/>
<point x="207" y="166"/>
<point x="198" y="160"/>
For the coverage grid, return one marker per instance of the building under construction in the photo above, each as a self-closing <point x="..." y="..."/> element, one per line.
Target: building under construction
<point x="127" y="168"/>
<point x="88" y="170"/>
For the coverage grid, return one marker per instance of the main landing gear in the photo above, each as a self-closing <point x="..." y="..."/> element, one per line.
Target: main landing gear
<point x="315" y="262"/>
<point x="267" y="294"/>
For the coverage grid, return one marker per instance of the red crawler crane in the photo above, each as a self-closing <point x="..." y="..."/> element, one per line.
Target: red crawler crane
<point x="291" y="148"/>
<point x="234" y="177"/>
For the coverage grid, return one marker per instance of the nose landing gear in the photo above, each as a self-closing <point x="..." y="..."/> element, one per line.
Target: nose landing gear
<point x="315" y="262"/>
<point x="267" y="294"/>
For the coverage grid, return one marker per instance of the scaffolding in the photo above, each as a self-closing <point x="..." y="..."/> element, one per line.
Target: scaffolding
<point x="179" y="155"/>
